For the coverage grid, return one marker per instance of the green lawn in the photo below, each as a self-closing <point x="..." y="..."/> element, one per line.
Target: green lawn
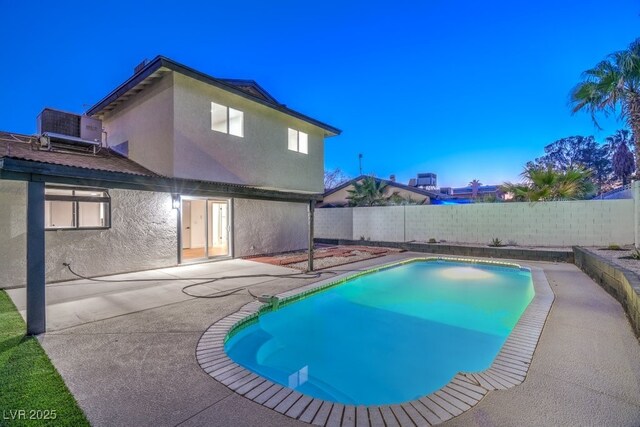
<point x="28" y="380"/>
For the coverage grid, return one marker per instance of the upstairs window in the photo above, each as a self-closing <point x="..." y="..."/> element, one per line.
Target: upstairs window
<point x="227" y="120"/>
<point x="298" y="141"/>
<point x="76" y="208"/>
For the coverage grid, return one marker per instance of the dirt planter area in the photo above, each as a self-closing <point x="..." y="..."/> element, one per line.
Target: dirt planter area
<point x="325" y="256"/>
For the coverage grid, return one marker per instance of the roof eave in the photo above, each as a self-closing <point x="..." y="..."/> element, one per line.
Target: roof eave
<point x="27" y="170"/>
<point x="161" y="61"/>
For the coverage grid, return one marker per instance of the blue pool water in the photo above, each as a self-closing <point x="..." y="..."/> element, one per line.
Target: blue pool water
<point x="388" y="337"/>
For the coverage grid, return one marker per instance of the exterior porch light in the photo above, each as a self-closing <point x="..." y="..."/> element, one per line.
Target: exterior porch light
<point x="175" y="201"/>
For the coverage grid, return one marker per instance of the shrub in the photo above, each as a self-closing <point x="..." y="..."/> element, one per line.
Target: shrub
<point x="432" y="240"/>
<point x="496" y="243"/>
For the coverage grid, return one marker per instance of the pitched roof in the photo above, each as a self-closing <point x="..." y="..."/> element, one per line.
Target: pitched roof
<point x="160" y="64"/>
<point x="430" y="194"/>
<point x="24" y="147"/>
<point x="21" y="159"/>
<point x="252" y="88"/>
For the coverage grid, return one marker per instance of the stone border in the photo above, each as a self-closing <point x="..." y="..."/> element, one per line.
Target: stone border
<point x="465" y="390"/>
<point x="621" y="283"/>
<point x="507" y="252"/>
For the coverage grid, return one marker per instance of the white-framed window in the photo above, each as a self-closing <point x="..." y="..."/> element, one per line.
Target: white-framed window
<point x="76" y="208"/>
<point x="227" y="120"/>
<point x="298" y="141"/>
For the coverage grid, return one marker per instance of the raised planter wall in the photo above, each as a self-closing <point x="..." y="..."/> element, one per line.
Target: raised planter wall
<point x="622" y="284"/>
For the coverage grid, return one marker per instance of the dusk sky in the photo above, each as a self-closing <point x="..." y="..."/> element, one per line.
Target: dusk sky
<point x="468" y="90"/>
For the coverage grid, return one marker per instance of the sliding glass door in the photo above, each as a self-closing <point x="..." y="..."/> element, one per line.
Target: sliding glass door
<point x="204" y="230"/>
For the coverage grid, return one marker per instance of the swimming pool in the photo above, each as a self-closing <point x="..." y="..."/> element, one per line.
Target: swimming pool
<point x="387" y="337"/>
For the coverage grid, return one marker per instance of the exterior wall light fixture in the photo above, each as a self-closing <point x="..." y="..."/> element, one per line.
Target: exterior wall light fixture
<point x="175" y="201"/>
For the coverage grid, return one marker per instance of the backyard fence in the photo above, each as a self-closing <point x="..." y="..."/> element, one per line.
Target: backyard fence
<point x="567" y="223"/>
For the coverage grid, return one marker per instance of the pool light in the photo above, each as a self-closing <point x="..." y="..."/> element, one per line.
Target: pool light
<point x="466" y="273"/>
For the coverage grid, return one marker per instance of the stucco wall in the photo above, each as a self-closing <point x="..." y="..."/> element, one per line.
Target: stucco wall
<point x="13" y="233"/>
<point x="146" y="122"/>
<point x="142" y="236"/>
<point x="586" y="223"/>
<point x="263" y="227"/>
<point x="259" y="158"/>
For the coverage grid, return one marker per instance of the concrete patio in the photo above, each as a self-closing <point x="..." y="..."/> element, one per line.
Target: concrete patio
<point x="127" y="351"/>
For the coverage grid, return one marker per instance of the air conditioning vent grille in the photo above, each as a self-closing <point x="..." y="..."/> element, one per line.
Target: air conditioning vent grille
<point x="59" y="122"/>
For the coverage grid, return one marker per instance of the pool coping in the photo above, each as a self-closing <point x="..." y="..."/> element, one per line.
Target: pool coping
<point x="465" y="390"/>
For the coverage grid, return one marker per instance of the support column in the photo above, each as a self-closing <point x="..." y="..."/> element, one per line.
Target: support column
<point x="312" y="206"/>
<point x="36" y="310"/>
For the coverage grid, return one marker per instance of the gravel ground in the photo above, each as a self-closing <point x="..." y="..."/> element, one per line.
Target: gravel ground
<point x="505" y="243"/>
<point x="615" y="257"/>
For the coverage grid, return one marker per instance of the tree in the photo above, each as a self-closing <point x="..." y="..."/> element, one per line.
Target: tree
<point x="475" y="186"/>
<point x="368" y="192"/>
<point x="333" y="178"/>
<point x="613" y="87"/>
<point x="623" y="164"/>
<point x="622" y="136"/>
<point x="548" y="184"/>
<point x="577" y="152"/>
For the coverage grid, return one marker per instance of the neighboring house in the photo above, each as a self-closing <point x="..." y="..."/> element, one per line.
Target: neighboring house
<point x="338" y="197"/>
<point x="185" y="167"/>
<point x="467" y="192"/>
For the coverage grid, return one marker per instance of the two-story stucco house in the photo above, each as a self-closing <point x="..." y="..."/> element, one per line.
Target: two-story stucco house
<point x="184" y="168"/>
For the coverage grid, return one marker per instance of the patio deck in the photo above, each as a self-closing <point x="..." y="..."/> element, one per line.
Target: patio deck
<point x="140" y="367"/>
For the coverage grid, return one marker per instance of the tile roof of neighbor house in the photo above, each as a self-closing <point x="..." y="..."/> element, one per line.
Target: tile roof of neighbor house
<point x="430" y="194"/>
<point x="246" y="88"/>
<point x="24" y="147"/>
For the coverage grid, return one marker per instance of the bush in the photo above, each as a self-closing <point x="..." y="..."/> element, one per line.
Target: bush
<point x="496" y="243"/>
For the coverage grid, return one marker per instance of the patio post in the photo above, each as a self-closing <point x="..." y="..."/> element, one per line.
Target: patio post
<point x="312" y="206"/>
<point x="36" y="321"/>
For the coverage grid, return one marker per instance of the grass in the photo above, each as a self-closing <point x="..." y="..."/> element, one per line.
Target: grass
<point x="28" y="380"/>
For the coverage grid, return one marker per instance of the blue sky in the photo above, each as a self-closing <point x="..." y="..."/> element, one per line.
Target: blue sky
<point x="469" y="90"/>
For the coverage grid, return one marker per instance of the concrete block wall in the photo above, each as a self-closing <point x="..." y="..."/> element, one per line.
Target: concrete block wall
<point x="585" y="223"/>
<point x="380" y="223"/>
<point x="636" y="217"/>
<point x="334" y="226"/>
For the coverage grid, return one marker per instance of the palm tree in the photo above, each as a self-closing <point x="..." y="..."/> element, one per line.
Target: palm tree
<point x="368" y="192"/>
<point x="546" y="184"/>
<point x="475" y="186"/>
<point x="613" y="87"/>
<point x="622" y="162"/>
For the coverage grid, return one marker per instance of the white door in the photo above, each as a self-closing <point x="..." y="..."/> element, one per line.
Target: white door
<point x="186" y="224"/>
